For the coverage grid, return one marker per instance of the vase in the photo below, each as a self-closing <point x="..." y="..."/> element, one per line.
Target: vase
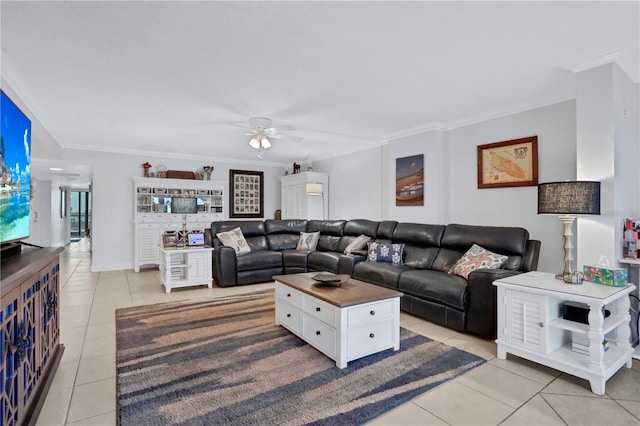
<point x="145" y="171"/>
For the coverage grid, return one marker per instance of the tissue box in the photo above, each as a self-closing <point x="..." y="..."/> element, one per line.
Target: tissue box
<point x="616" y="277"/>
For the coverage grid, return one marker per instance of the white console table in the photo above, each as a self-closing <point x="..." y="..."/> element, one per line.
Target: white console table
<point x="185" y="267"/>
<point x="530" y="325"/>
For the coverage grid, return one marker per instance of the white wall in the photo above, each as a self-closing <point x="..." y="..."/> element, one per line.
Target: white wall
<point x="363" y="184"/>
<point x="113" y="199"/>
<point x="436" y="181"/>
<point x="47" y="228"/>
<point x="607" y="150"/>
<point x="555" y="127"/>
<point x="356" y="182"/>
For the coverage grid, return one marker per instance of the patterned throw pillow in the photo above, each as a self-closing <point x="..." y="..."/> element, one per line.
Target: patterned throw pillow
<point x="357" y="244"/>
<point x="477" y="258"/>
<point x="389" y="253"/>
<point x="308" y="240"/>
<point x="235" y="240"/>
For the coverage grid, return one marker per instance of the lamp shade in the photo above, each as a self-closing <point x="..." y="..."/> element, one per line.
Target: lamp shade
<point x="569" y="197"/>
<point x="314" y="189"/>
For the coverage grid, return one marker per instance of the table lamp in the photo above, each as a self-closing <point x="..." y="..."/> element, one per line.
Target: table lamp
<point x="568" y="199"/>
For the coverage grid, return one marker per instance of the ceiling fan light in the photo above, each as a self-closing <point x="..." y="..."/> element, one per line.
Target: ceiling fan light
<point x="254" y="142"/>
<point x="265" y="143"/>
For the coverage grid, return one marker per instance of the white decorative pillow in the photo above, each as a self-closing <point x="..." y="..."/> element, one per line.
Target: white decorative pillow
<point x="234" y="239"/>
<point x="308" y="240"/>
<point x="359" y="243"/>
<point x="477" y="258"/>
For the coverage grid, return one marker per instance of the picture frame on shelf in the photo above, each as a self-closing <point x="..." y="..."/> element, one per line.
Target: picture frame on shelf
<point x="169" y="239"/>
<point x="509" y="163"/>
<point x="246" y="194"/>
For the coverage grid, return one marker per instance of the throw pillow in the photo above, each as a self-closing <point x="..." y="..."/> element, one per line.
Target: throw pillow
<point x="359" y="243"/>
<point x="477" y="258"/>
<point x="389" y="253"/>
<point x="235" y="240"/>
<point x="308" y="240"/>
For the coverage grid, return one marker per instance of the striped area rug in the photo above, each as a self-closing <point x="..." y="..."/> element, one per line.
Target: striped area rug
<point x="224" y="361"/>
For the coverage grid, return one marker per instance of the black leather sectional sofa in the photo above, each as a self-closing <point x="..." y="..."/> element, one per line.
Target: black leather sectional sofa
<point x="430" y="292"/>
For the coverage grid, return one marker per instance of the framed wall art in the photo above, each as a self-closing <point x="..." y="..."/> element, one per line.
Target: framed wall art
<point x="246" y="190"/>
<point x="410" y="181"/>
<point x="508" y="163"/>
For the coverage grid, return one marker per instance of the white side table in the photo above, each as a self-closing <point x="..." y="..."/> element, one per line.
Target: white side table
<point x="530" y="325"/>
<point x="185" y="267"/>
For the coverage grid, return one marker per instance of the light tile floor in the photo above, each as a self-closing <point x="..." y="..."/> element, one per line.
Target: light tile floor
<point x="500" y="392"/>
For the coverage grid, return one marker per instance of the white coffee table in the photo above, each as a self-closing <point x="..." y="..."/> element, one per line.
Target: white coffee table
<point x="345" y="323"/>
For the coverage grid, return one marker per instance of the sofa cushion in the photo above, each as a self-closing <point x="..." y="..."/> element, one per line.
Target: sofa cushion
<point x="457" y="239"/>
<point x="435" y="286"/>
<point x="358" y="243"/>
<point x="295" y="258"/>
<point x="385" y="231"/>
<point x="323" y="261"/>
<point x="383" y="274"/>
<point x="234" y="239"/>
<point x="261" y="259"/>
<point x="422" y="243"/>
<point x="330" y="233"/>
<point x="308" y="241"/>
<point x="283" y="234"/>
<point x="477" y="258"/>
<point x="388" y="253"/>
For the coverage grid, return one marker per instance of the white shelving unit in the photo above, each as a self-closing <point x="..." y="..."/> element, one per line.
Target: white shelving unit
<point x="296" y="204"/>
<point x="152" y="214"/>
<point x="530" y="325"/>
<point x="185" y="267"/>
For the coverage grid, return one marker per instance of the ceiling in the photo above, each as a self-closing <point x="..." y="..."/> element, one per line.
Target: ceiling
<point x="169" y="77"/>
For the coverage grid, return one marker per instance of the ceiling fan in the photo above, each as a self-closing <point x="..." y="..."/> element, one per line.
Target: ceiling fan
<point x="262" y="132"/>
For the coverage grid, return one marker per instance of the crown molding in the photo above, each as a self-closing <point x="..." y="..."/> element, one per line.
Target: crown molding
<point x="626" y="58"/>
<point x="168" y="154"/>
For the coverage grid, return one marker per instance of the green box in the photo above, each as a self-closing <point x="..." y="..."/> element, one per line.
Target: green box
<point x="616" y="277"/>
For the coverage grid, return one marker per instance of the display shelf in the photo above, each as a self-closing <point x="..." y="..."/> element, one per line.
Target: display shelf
<point x="610" y="323"/>
<point x="152" y="214"/>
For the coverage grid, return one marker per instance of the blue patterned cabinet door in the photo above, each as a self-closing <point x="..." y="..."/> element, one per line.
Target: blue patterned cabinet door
<point x="10" y="358"/>
<point x="27" y="340"/>
<point x="49" y="315"/>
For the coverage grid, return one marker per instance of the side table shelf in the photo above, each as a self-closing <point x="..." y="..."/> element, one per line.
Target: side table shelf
<point x="530" y="325"/>
<point x="185" y="267"/>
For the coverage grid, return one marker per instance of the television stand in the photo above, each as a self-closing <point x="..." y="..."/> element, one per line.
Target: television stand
<point x="10" y="249"/>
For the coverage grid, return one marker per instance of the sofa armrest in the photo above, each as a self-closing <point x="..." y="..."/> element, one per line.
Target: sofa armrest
<point x="531" y="256"/>
<point x="225" y="266"/>
<point x="481" y="301"/>
<point x="347" y="262"/>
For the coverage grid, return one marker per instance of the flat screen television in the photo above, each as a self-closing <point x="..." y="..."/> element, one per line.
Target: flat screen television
<point x="15" y="172"/>
<point x="184" y="205"/>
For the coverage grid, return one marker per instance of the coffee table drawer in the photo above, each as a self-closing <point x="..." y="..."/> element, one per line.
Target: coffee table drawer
<point x="319" y="309"/>
<point x="369" y="339"/>
<point x="290" y="317"/>
<point x="370" y="313"/>
<point x="320" y="335"/>
<point x="289" y="295"/>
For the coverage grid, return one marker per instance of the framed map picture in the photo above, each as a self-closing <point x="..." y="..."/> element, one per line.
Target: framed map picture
<point x="246" y="190"/>
<point x="508" y="163"/>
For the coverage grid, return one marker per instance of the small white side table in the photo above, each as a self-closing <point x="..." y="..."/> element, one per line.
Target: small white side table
<point x="530" y="325"/>
<point x="185" y="267"/>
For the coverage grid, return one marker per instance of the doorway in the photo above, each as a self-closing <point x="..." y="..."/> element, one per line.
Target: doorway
<point x="80" y="215"/>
